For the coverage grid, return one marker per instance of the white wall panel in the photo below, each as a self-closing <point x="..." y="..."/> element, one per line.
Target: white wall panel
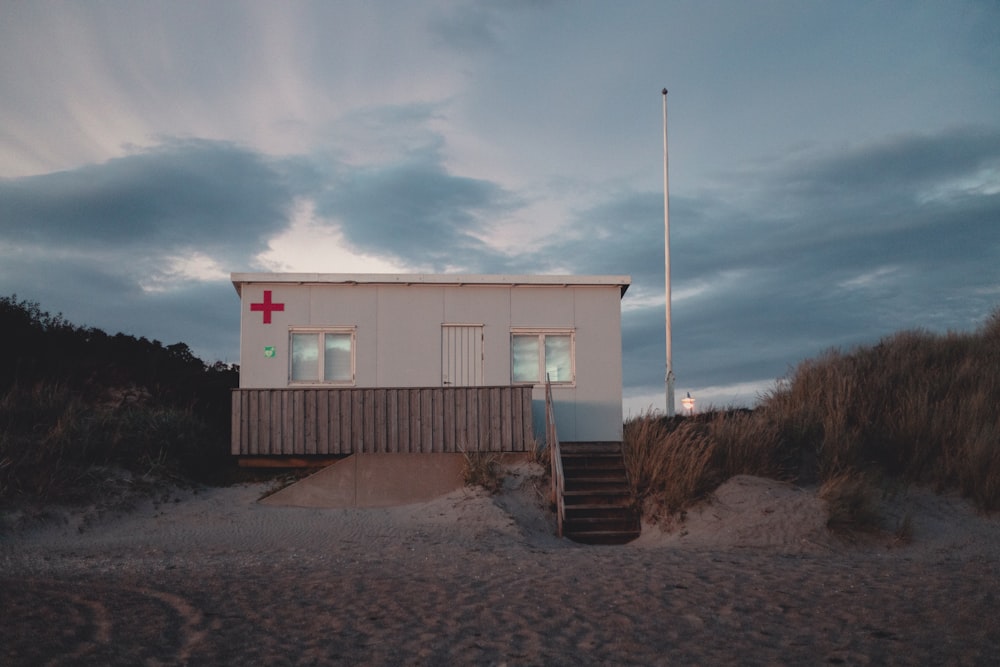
<point x="401" y="334"/>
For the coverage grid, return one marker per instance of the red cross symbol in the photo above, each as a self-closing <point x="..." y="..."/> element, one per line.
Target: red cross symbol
<point x="267" y="306"/>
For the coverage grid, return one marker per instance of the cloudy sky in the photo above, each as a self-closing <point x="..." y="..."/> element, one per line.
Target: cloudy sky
<point x="834" y="166"/>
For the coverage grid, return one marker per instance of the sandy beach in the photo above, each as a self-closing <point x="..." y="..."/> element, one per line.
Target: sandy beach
<point x="750" y="577"/>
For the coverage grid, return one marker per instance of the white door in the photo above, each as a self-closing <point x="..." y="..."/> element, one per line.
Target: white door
<point x="462" y="355"/>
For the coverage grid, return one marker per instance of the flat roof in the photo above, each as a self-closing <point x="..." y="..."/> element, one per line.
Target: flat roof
<point x="240" y="279"/>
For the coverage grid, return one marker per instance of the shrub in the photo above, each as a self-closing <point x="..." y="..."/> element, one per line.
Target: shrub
<point x="77" y="398"/>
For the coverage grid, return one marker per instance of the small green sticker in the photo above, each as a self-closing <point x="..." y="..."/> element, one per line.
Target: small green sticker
<point x="269" y="351"/>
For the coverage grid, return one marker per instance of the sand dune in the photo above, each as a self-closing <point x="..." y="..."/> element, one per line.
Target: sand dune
<point x="750" y="577"/>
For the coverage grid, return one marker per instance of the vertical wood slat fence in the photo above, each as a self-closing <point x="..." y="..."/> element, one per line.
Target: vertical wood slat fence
<point x="325" y="421"/>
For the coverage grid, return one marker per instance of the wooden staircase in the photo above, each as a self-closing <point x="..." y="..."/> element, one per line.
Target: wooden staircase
<point x="598" y="504"/>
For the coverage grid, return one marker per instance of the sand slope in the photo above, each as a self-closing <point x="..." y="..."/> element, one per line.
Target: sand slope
<point x="751" y="577"/>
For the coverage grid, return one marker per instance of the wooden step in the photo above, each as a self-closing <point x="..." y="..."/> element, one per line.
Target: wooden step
<point x="604" y="536"/>
<point x="591" y="463"/>
<point x="574" y="462"/>
<point x="582" y="527"/>
<point x="624" y="522"/>
<point x="616" y="485"/>
<point x="585" y="511"/>
<point x="597" y="498"/>
<point x="597" y="474"/>
<point x="591" y="447"/>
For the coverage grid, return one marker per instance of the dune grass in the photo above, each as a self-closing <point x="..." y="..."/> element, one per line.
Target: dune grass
<point x="916" y="407"/>
<point x="483" y="469"/>
<point x="674" y="462"/>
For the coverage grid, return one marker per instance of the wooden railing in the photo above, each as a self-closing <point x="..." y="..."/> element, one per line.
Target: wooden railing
<point x="321" y="421"/>
<point x="555" y="459"/>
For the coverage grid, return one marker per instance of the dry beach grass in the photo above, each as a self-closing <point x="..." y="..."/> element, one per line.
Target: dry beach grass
<point x="750" y="576"/>
<point x="916" y="408"/>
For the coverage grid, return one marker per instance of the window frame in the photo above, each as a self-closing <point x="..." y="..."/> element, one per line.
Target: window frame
<point x="320" y="333"/>
<point x="542" y="333"/>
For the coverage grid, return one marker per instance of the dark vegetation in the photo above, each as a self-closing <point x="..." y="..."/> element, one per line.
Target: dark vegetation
<point x="83" y="413"/>
<point x="916" y="408"/>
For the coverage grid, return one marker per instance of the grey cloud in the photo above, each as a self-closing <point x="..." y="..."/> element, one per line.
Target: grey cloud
<point x="82" y="242"/>
<point x="465" y="28"/>
<point x="841" y="271"/>
<point x="477" y="26"/>
<point x="395" y="117"/>
<point x="205" y="315"/>
<point x="183" y="194"/>
<point x="416" y="211"/>
<point x="623" y="235"/>
<point x="643" y="347"/>
<point x="782" y="282"/>
<point x="911" y="163"/>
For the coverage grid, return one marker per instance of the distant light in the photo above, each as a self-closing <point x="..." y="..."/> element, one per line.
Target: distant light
<point x="688" y="403"/>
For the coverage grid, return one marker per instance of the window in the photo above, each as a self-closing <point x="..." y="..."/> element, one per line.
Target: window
<point x="537" y="354"/>
<point x="322" y="356"/>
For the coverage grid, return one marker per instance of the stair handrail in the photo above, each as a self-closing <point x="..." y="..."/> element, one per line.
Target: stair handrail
<point x="555" y="458"/>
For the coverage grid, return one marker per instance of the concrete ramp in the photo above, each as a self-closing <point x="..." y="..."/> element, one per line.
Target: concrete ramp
<point x="375" y="480"/>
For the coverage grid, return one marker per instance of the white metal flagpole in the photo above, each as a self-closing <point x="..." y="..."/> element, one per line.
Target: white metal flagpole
<point x="671" y="410"/>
